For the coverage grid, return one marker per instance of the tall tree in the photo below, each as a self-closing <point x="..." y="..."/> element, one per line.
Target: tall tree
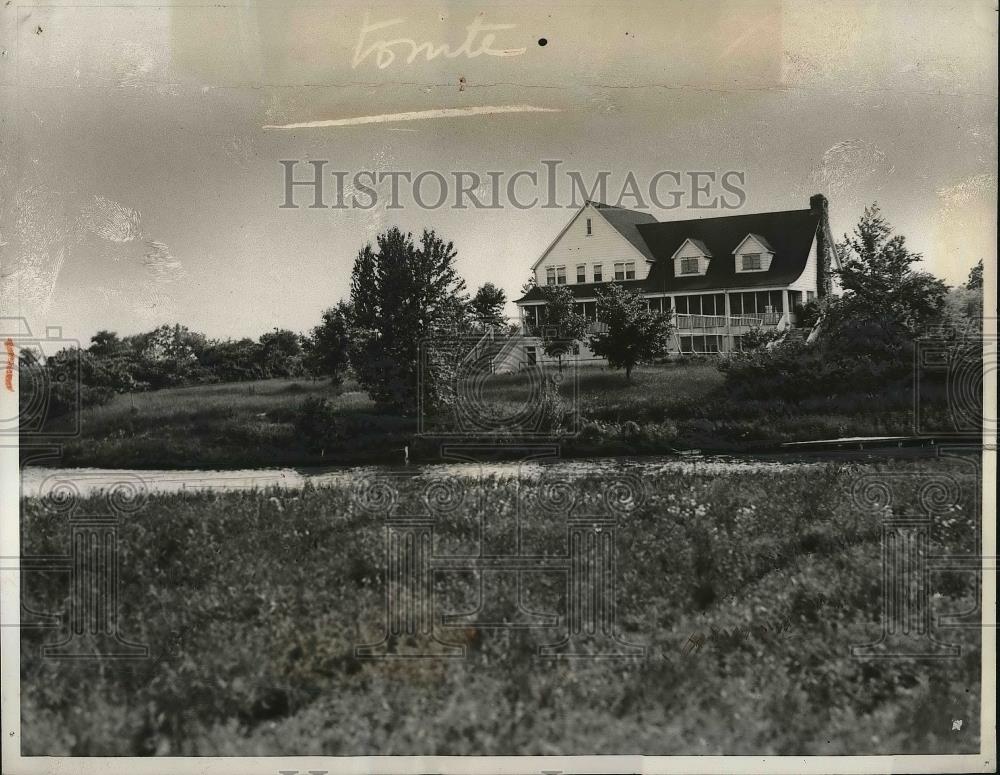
<point x="487" y="305"/>
<point x="563" y="328"/>
<point x="403" y="293"/>
<point x="634" y="334"/>
<point x="975" y="280"/>
<point x="328" y="344"/>
<point x="880" y="281"/>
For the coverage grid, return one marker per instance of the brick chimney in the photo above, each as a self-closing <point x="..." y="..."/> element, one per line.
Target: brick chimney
<point x="824" y="244"/>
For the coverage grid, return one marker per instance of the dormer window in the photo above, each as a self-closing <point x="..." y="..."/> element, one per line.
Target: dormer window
<point x="753" y="254"/>
<point x="691" y="258"/>
<point x="689" y="266"/>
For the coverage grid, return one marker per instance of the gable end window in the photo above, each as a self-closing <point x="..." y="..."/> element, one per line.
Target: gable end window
<point x="751" y="261"/>
<point x="625" y="270"/>
<point x="590" y="227"/>
<point x="689" y="266"/>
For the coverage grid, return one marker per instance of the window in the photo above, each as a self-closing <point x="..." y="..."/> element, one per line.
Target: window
<point x="590" y="227"/>
<point x="751" y="261"/>
<point x="750" y="303"/>
<point x="598" y="273"/>
<point x="625" y="270"/>
<point x="532" y="355"/>
<point x="550" y="275"/>
<point x="810" y="295"/>
<point x="560" y="275"/>
<point x="701" y="344"/>
<point x="581" y="273"/>
<point x="689" y="266"/>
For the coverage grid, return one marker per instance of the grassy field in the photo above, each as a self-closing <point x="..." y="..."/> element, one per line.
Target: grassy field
<point x="225" y="426"/>
<point x="664" y="408"/>
<point x="252" y="604"/>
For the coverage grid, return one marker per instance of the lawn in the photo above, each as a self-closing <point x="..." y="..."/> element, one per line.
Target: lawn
<point x="261" y="424"/>
<point x="252" y="604"/>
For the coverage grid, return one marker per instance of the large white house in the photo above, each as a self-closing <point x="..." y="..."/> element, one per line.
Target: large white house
<point x="721" y="276"/>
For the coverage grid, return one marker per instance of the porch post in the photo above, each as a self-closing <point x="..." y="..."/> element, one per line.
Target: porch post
<point x="729" y="332"/>
<point x="787" y="309"/>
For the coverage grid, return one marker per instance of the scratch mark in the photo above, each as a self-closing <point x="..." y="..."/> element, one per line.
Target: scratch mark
<point x="416" y="115"/>
<point x="8" y="379"/>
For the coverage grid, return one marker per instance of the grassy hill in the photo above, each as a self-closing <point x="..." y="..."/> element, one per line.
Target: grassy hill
<point x="259" y="424"/>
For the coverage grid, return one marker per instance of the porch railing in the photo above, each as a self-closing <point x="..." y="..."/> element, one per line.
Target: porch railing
<point x="690" y="322"/>
<point x="683" y="322"/>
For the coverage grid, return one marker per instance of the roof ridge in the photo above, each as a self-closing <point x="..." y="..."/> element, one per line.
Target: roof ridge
<point x="740" y="215"/>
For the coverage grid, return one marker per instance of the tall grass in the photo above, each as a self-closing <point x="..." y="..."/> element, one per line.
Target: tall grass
<point x="253" y="602"/>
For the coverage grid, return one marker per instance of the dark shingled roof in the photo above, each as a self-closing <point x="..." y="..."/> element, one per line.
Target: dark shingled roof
<point x="788" y="234"/>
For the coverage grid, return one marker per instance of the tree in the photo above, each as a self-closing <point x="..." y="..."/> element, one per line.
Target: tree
<point x="634" y="334"/>
<point x="327" y="347"/>
<point x="403" y="294"/>
<point x="563" y="328"/>
<point x="879" y="280"/>
<point x="975" y="281"/>
<point x="487" y="305"/>
<point x="104" y="344"/>
<point x="280" y="353"/>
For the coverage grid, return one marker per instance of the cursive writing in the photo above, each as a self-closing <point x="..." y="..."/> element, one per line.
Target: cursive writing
<point x="479" y="40"/>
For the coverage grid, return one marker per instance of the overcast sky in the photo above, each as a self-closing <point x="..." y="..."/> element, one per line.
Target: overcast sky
<point x="139" y="186"/>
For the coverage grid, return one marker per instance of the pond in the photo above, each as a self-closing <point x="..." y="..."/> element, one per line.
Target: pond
<point x="85" y="481"/>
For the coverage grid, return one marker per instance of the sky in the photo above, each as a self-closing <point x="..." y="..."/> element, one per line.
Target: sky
<point x="140" y="175"/>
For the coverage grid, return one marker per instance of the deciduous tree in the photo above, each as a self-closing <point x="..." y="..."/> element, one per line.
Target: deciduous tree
<point x="634" y="334"/>
<point x="563" y="328"/>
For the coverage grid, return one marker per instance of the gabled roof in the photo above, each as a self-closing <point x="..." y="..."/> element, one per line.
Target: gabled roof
<point x="697" y="243"/>
<point x="626" y="223"/>
<point x="623" y="221"/>
<point x="789" y="235"/>
<point x="758" y="239"/>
